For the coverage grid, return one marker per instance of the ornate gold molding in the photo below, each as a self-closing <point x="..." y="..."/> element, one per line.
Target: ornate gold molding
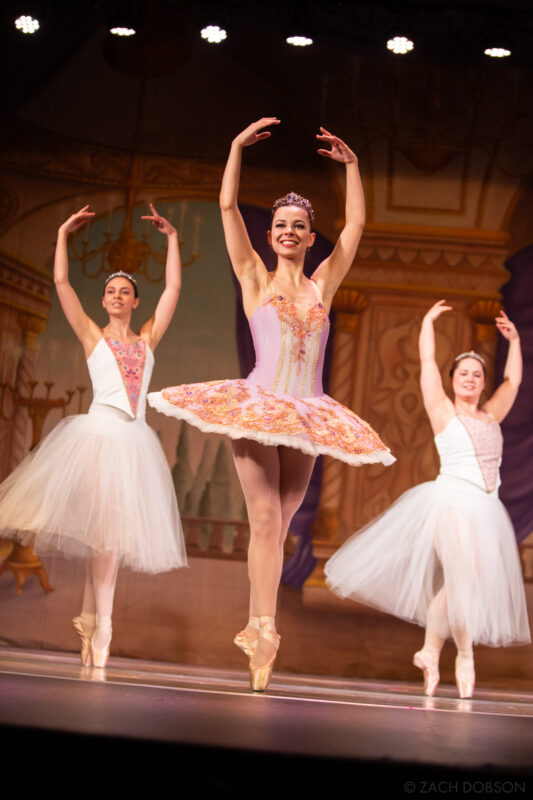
<point x="482" y="312"/>
<point x="417" y="260"/>
<point x="347" y="304"/>
<point x="25" y="287"/>
<point x="32" y="326"/>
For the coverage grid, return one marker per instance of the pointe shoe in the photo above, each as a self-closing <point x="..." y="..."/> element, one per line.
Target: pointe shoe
<point x="260" y="676"/>
<point x="429" y="664"/>
<point x="465" y="676"/>
<point x="100" y="655"/>
<point x="85" y="633"/>
<point x="246" y="642"/>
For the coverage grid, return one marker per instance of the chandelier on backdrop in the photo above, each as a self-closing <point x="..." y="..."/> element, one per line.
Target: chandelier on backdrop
<point x="127" y="252"/>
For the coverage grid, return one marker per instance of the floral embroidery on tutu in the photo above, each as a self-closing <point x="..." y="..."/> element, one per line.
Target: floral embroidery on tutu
<point x="237" y="404"/>
<point x="487" y="440"/>
<point x="131" y="359"/>
<point x="281" y="402"/>
<point x="301" y="329"/>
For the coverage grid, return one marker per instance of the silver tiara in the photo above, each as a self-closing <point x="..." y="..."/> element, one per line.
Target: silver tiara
<point x="470" y="354"/>
<point x="120" y="274"/>
<point x="293" y="199"/>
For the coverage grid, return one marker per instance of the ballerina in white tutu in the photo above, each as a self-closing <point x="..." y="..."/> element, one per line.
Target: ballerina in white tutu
<point x="279" y="417"/>
<point x="99" y="486"/>
<point x="444" y="555"/>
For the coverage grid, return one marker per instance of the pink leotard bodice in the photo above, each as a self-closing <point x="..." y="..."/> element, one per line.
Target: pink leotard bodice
<point x="289" y="341"/>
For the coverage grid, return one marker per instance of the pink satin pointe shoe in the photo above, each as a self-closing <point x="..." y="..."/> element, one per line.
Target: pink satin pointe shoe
<point x="428" y="662"/>
<point x="465" y="676"/>
<point x="246" y="641"/>
<point x="260" y="676"/>
<point x="100" y="655"/>
<point x="85" y="633"/>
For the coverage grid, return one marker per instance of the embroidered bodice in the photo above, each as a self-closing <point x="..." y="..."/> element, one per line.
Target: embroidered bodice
<point x="471" y="449"/>
<point x="120" y="374"/>
<point x="290" y="341"/>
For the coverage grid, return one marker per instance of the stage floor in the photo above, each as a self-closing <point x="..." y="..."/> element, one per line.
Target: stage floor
<point x="324" y="724"/>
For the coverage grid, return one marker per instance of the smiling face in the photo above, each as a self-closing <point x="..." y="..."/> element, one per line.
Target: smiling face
<point x="119" y="297"/>
<point x="468" y="379"/>
<point x="290" y="235"/>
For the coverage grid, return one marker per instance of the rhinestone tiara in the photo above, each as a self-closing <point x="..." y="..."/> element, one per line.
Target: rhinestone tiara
<point x="293" y="199"/>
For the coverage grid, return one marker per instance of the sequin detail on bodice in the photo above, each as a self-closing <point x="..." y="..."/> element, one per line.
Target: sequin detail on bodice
<point x="471" y="449"/>
<point x="488" y="445"/>
<point x="289" y="348"/>
<point x="131" y="359"/>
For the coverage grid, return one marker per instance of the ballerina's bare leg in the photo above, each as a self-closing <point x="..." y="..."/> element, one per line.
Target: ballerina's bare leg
<point x="103" y="570"/>
<point x="437" y="631"/>
<point x="274" y="481"/>
<point x="93" y="625"/>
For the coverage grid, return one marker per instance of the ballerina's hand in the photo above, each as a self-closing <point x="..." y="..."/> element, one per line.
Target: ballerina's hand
<point x="76" y="220"/>
<point x="160" y="222"/>
<point x="339" y="149"/>
<point x="505" y="326"/>
<point x="253" y="132"/>
<point x="436" y="310"/>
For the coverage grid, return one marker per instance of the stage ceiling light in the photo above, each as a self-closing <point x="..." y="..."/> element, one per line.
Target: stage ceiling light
<point x="499" y="40"/>
<point x="27" y="24"/>
<point x="497" y="52"/>
<point x="400" y="45"/>
<point x="119" y="30"/>
<point x="214" y="34"/>
<point x="400" y="33"/>
<point x="299" y="41"/>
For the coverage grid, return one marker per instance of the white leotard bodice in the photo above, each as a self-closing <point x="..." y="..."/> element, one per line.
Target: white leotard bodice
<point x="120" y="375"/>
<point x="470" y="449"/>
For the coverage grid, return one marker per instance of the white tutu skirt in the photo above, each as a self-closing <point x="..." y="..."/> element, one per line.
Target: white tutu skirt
<point x="99" y="483"/>
<point x="444" y="533"/>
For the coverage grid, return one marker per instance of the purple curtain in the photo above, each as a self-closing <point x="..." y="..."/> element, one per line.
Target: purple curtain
<point x="257" y="221"/>
<point x="517" y="487"/>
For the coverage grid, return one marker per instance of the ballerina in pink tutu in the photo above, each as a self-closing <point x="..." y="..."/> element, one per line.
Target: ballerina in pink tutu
<point x="444" y="554"/>
<point x="98" y="486"/>
<point x="278" y="417"/>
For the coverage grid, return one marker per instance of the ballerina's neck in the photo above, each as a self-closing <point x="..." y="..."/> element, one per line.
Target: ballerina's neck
<point x="119" y="333"/>
<point x="469" y="409"/>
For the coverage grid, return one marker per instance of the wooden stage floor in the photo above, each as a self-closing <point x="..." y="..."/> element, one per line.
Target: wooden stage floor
<point x="306" y="732"/>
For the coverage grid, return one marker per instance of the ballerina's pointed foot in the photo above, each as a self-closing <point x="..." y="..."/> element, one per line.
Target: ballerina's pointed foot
<point x="100" y="653"/>
<point x="85" y="632"/>
<point x="260" y="674"/>
<point x="465" y="676"/>
<point x="428" y="662"/>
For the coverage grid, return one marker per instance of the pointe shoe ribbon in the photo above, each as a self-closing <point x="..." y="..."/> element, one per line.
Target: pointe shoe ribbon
<point x="260" y="676"/>
<point x="85" y="632"/>
<point x="246" y="642"/>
